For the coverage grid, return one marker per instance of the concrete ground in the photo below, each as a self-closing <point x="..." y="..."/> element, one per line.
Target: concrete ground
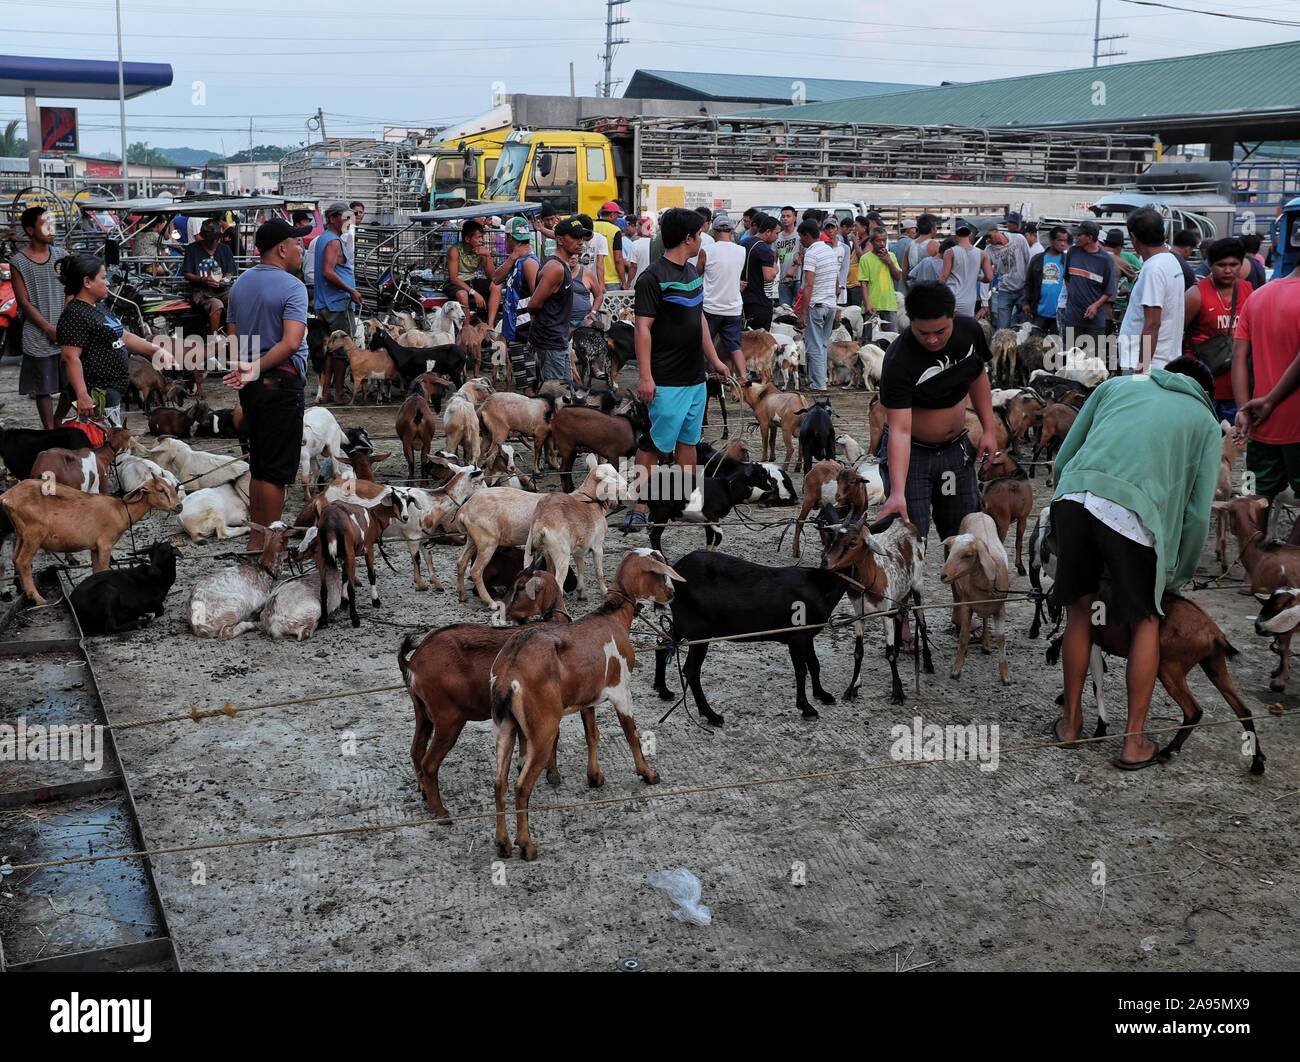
<point x="1055" y="860"/>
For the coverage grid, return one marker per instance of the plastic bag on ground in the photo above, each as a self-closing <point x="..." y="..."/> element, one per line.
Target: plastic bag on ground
<point x="685" y="890"/>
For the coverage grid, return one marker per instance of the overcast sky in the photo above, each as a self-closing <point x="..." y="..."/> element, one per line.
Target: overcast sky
<point x="424" y="62"/>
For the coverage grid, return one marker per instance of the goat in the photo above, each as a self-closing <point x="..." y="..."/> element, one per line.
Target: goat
<point x="710" y="499"/>
<point x="791" y="357"/>
<point x="976" y="569"/>
<point x="503" y="413"/>
<point x="416" y="427"/>
<point x="589" y="347"/>
<point x="871" y="364"/>
<point x="886" y="560"/>
<point x="132" y="471"/>
<point x="446" y="677"/>
<point x="1002" y="367"/>
<point x="461" y="420"/>
<point x="223" y="603"/>
<point x="1007" y="496"/>
<point x="84" y="468"/>
<point x="178" y="423"/>
<point x="62" y="519"/>
<point x="348" y="529"/>
<point x="620" y="345"/>
<point x="842" y="365"/>
<point x="725" y="596"/>
<point x="1266" y="565"/>
<point x="609" y="436"/>
<point x="220" y="424"/>
<point x="195" y="469"/>
<point x="819" y="487"/>
<point x="125" y="599"/>
<point x="428" y="512"/>
<point x="147" y="386"/>
<point x="221" y="511"/>
<point x="759" y="349"/>
<point x="1223" y="492"/>
<point x="21" y="446"/>
<point x="773" y="408"/>
<point x="433" y="387"/>
<point x="547" y="671"/>
<point x="1074" y="365"/>
<point x="447" y="358"/>
<point x="293" y="609"/>
<point x="364" y="364"/>
<point x="1058" y="419"/>
<point x="816" y="434"/>
<point x="569" y="526"/>
<point x="321" y="437"/>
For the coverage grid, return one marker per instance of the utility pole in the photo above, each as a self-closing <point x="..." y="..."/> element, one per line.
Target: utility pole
<point x="250" y="138"/>
<point x="1098" y="39"/>
<point x="121" y="104"/>
<point x="320" y="124"/>
<point x="611" y="42"/>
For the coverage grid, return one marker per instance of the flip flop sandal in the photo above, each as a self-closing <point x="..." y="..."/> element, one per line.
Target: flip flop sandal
<point x="634" y="521"/>
<point x="1126" y="765"/>
<point x="1054" y="732"/>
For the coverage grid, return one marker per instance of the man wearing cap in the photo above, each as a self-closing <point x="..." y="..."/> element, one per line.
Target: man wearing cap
<point x="615" y="266"/>
<point x="209" y="266"/>
<point x="334" y="293"/>
<point x="964" y="265"/>
<point x="1009" y="254"/>
<point x="550" y="309"/>
<point x="907" y="236"/>
<point x="721" y="267"/>
<point x="1090" y="284"/>
<point x="1127" y="265"/>
<point x="268" y="306"/>
<point x="517" y="276"/>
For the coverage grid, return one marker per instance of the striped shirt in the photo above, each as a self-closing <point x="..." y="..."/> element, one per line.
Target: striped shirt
<point x="672" y="296"/>
<point x="45" y="292"/>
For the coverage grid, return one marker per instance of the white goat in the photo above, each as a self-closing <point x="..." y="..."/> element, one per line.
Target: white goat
<point x="221" y="511"/>
<point x="194" y="469"/>
<point x="132" y="472"/>
<point x="224" y="604"/>
<point x="293" y="609"/>
<point x="321" y="437"/>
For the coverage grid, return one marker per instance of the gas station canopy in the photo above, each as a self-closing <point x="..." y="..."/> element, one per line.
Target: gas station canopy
<point x="82" y="79"/>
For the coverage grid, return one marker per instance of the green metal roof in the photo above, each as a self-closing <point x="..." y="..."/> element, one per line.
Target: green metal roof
<point x="756" y="87"/>
<point x="1242" y="81"/>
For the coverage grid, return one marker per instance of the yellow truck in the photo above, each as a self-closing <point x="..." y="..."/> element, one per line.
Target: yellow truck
<point x="569" y="170"/>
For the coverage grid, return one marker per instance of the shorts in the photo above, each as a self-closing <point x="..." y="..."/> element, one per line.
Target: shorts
<point x="1088" y="553"/>
<point x="554" y="364"/>
<point x="939" y="478"/>
<point x="479" y="284"/>
<point x="338" y="321"/>
<point x="1275" y="467"/>
<point x="758" y="316"/>
<point x="724" y="329"/>
<point x="273" y="419"/>
<point x="677" y="416"/>
<point x="42" y="376"/>
<point x="206" y="301"/>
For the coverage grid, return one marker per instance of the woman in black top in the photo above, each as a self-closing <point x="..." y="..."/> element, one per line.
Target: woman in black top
<point x="96" y="347"/>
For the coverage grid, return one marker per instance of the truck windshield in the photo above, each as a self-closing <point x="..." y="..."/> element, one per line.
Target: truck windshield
<point x="509" y="172"/>
<point x="448" y="174"/>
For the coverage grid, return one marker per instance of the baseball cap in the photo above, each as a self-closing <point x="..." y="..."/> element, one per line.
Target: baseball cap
<point x="276" y="231"/>
<point x="520" y="230"/>
<point x="573" y="227"/>
<point x="1013" y="217"/>
<point x="1087" y="228"/>
<point x="908" y="223"/>
<point x="722" y="220"/>
<point x="611" y="208"/>
<point x="337" y="208"/>
<point x="831" y="222"/>
<point x="1114" y="238"/>
<point x="963" y="226"/>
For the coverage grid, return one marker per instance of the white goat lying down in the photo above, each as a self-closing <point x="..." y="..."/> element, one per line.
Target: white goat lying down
<point x="293" y="609"/>
<point x="194" y="469"/>
<point x="224" y="603"/>
<point x="221" y="511"/>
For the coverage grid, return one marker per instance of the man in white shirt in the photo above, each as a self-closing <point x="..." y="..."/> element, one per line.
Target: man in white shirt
<point x="821" y="276"/>
<point x="636" y="249"/>
<point x="1031" y="238"/>
<point x="1151" y="334"/>
<point x="706" y="241"/>
<point x="831" y="227"/>
<point x="721" y="266"/>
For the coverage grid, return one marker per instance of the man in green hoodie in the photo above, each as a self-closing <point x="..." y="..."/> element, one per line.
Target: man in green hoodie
<point x="1135" y="478"/>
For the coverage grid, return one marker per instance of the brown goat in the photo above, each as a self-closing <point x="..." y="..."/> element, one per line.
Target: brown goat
<point x="147" y="384"/>
<point x="364" y="363"/>
<point x="1058" y="419"/>
<point x="820" y="487"/>
<point x="446" y="677"/>
<point x="416" y="426"/>
<point x="83" y="468"/>
<point x="1266" y="565"/>
<point x="1007" y="497"/>
<point x="176" y="422"/>
<point x="547" y="671"/>
<point x="341" y="532"/>
<point x="609" y="436"/>
<point x="66" y="520"/>
<point x="504" y="413"/>
<point x="774" y="408"/>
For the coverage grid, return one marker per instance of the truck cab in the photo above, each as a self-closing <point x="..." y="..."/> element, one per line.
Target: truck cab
<point x="571" y="171"/>
<point x="1286" y="240"/>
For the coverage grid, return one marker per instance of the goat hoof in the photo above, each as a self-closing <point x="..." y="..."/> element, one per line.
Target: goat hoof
<point x="810" y="712"/>
<point x="1257" y="765"/>
<point x="1277" y="685"/>
<point x="504" y="850"/>
<point x="595" y="781"/>
<point x="851" y="694"/>
<point x="356" y="622"/>
<point x="441" y="818"/>
<point x="955" y="676"/>
<point x="666" y="694"/>
<point x="897" y="697"/>
<point x="553" y="776"/>
<point x="651" y="776"/>
<point x="1101" y="731"/>
<point x="527" y="851"/>
<point x="712" y="718"/>
<point x="824" y="696"/>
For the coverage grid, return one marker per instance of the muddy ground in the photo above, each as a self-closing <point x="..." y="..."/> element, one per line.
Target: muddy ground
<point x="937" y="866"/>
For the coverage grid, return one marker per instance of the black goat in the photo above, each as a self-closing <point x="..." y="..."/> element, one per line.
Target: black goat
<point x="448" y="359"/>
<point x="220" y="424"/>
<point x="711" y="499"/>
<point x="724" y="595"/>
<point x="620" y="344"/>
<point x="124" y="599"/>
<point x="816" y="434"/>
<point x="21" y="446"/>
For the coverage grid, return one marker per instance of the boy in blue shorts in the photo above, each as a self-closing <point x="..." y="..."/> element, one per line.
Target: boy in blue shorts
<point x="673" y="352"/>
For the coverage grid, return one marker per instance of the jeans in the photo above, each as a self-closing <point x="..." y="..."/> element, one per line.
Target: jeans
<point x="787" y="290"/>
<point x="816" y="338"/>
<point x="1047" y="324"/>
<point x="554" y="365"/>
<point x="1005" y="308"/>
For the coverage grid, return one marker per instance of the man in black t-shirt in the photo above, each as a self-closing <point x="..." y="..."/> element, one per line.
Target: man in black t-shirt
<point x="932" y="373"/>
<point x="673" y="348"/>
<point x="759" y="272"/>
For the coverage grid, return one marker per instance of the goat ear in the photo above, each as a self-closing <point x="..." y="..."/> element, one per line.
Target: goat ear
<point x="988" y="562"/>
<point x="307" y="540"/>
<point x="343" y="460"/>
<point x="377" y="458"/>
<point x="1220" y="506"/>
<point x="531" y="587"/>
<point x="664" y="568"/>
<point x="592" y="462"/>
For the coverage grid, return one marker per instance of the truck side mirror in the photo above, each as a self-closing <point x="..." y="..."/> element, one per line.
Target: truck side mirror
<point x="544" y="165"/>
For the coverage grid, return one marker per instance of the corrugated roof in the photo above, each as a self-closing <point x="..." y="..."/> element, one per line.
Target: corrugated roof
<point x="1245" y="80"/>
<point x="756" y="86"/>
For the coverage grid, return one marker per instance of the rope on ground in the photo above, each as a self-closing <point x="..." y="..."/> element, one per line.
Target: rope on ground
<point x="587" y="805"/>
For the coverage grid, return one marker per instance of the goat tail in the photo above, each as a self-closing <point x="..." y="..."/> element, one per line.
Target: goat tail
<point x="508" y="702"/>
<point x="1226" y="647"/>
<point x="409" y="644"/>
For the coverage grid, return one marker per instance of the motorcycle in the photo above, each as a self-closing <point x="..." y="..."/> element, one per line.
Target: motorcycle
<point x="8" y="310"/>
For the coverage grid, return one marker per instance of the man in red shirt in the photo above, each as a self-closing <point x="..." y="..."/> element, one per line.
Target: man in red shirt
<point x="1268" y="342"/>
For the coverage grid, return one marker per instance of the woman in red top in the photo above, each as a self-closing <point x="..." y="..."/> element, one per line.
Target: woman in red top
<point x="1208" y="310"/>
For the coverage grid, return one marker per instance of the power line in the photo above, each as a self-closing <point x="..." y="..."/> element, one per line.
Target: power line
<point x="1215" y="14"/>
<point x="611" y="44"/>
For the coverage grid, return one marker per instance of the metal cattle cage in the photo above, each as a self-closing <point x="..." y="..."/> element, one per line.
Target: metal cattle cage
<point x="382" y="174"/>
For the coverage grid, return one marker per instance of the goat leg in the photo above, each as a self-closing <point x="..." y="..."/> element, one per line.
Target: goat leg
<point x="444" y="737"/>
<point x="1278" y="680"/>
<point x="815" y="671"/>
<point x="595" y="777"/>
<point x="1216" y="670"/>
<point x="694" y="665"/>
<point x="892" y="650"/>
<point x="801" y="679"/>
<point x="505" y="743"/>
<point x="1173" y="677"/>
<point x="963" y="639"/>
<point x="370" y="574"/>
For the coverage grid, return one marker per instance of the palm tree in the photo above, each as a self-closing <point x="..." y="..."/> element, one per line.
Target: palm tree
<point x="11" y="144"/>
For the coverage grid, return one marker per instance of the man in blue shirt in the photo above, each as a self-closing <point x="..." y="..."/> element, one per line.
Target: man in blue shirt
<point x="1090" y="283"/>
<point x="209" y="266"/>
<point x="268" y="310"/>
<point x="334" y="292"/>
<point x="1044" y="280"/>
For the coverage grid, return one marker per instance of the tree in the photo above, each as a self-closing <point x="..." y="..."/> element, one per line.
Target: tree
<point x="142" y="154"/>
<point x="11" y="144"/>
<point x="261" y="153"/>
